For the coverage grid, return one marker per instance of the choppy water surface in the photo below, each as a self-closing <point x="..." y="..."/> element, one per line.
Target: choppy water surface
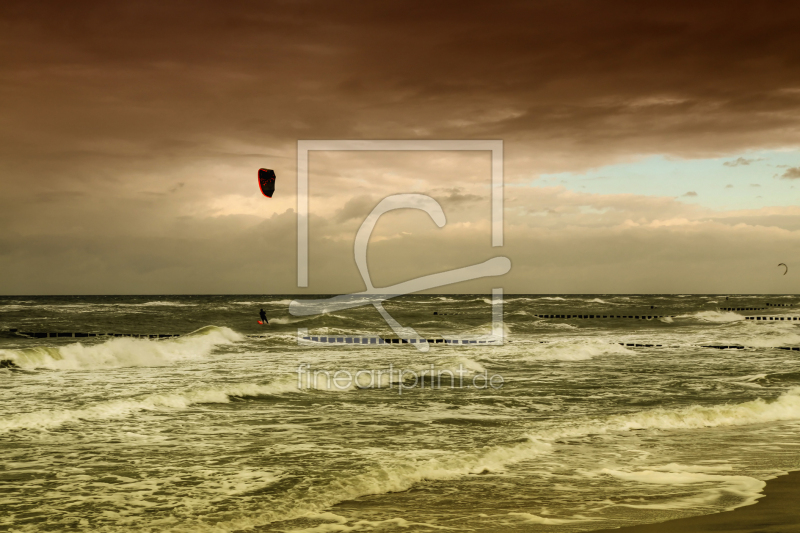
<point x="210" y="432"/>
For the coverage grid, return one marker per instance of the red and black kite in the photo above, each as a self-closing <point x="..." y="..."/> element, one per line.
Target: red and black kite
<point x="266" y="181"/>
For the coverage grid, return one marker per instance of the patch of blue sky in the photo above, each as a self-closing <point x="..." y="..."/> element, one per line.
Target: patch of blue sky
<point x="749" y="180"/>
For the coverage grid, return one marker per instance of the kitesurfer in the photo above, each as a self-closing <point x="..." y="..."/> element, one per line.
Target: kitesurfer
<point x="264" y="320"/>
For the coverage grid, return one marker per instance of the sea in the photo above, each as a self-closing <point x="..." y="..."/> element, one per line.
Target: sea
<point x="565" y="425"/>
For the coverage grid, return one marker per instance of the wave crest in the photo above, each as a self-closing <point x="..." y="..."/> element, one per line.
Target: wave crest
<point x="123" y="352"/>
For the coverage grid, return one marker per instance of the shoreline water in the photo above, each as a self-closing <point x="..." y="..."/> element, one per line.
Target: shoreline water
<point x="778" y="511"/>
<point x="210" y="429"/>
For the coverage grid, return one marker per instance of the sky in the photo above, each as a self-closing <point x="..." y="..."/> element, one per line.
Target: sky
<point x="649" y="147"/>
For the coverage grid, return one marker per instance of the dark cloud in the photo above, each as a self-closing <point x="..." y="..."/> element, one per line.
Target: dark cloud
<point x="690" y="193"/>
<point x="169" y="78"/>
<point x="791" y="174"/>
<point x="129" y="129"/>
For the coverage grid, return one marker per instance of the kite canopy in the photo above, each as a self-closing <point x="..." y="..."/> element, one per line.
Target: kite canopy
<point x="266" y="181"/>
<point x="784" y="266"/>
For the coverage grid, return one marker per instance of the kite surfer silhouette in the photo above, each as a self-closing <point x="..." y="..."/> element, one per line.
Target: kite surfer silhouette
<point x="263" y="320"/>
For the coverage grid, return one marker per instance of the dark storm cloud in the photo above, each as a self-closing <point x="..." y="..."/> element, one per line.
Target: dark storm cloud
<point x="170" y="77"/>
<point x="109" y="108"/>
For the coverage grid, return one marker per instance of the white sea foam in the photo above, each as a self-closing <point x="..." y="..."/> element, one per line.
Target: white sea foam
<point x="574" y="350"/>
<point x="553" y="325"/>
<point x="266" y="302"/>
<point x="340" y="524"/>
<point x="785" y="407"/>
<point x="715" y="316"/>
<point x="157" y="303"/>
<point x="94" y="306"/>
<point x="455" y="363"/>
<point x="123" y="352"/>
<point x="746" y="488"/>
<point x="395" y="475"/>
<point x="45" y="419"/>
<point x="528" y="517"/>
<point x="287" y="320"/>
<point x="780" y="334"/>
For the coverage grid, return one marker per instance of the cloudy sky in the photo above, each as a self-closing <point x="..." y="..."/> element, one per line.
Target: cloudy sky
<point x="650" y="147"/>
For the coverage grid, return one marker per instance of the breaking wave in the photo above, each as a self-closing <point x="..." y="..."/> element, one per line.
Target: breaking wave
<point x="785" y="407"/>
<point x="114" y="409"/>
<point x="396" y="475"/>
<point x="574" y="351"/>
<point x="123" y="352"/>
<point x="714" y="316"/>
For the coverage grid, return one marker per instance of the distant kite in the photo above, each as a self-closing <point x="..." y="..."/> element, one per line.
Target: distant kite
<point x="266" y="181"/>
<point x="786" y="267"/>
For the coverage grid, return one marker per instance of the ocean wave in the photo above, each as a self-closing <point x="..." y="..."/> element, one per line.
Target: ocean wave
<point x="453" y="364"/>
<point x="574" y="350"/>
<point x="279" y="302"/>
<point x="714" y="316"/>
<point x="748" y="489"/>
<point x="758" y="411"/>
<point x="395" y="475"/>
<point x="553" y="325"/>
<point x="785" y="407"/>
<point x="157" y="303"/>
<point x="768" y="378"/>
<point x="535" y="519"/>
<point x="113" y="409"/>
<point x="123" y="352"/>
<point x="777" y="334"/>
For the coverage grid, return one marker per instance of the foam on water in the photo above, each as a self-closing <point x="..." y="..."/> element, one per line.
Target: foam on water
<point x="532" y="518"/>
<point x="715" y="316"/>
<point x="584" y="434"/>
<point x="123" y="352"/>
<point x="577" y="350"/>
<point x="758" y="411"/>
<point x="395" y="475"/>
<point x="46" y="419"/>
<point x="746" y="488"/>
